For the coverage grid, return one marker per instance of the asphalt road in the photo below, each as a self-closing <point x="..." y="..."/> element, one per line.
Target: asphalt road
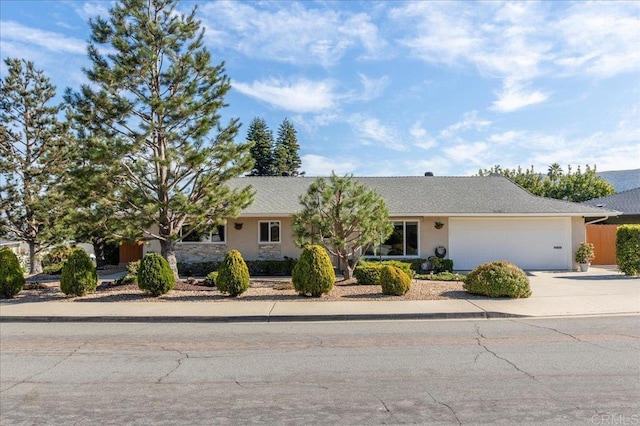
<point x="524" y="371"/>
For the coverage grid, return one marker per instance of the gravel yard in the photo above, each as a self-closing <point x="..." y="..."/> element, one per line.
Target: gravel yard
<point x="261" y="289"/>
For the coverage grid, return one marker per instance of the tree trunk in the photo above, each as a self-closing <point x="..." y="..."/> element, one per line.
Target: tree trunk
<point x="168" y="251"/>
<point x="35" y="264"/>
<point x="347" y="271"/>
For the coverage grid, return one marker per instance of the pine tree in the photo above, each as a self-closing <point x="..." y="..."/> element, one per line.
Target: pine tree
<point x="286" y="155"/>
<point x="33" y="156"/>
<point x="343" y="216"/>
<point x="154" y="149"/>
<point x="262" y="147"/>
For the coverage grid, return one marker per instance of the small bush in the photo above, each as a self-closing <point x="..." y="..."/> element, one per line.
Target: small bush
<point x="53" y="269"/>
<point x="313" y="273"/>
<point x="441" y="276"/>
<point x="154" y="275"/>
<point x="79" y="275"/>
<point x="628" y="249"/>
<point x="233" y="275"/>
<point x="441" y="265"/>
<point x="394" y="281"/>
<point x="498" y="279"/>
<point x="11" y="277"/>
<point x="210" y="279"/>
<point x="368" y="273"/>
<point x="197" y="269"/>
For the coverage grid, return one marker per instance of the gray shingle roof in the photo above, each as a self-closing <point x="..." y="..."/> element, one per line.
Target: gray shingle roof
<point x="421" y="195"/>
<point x="627" y="202"/>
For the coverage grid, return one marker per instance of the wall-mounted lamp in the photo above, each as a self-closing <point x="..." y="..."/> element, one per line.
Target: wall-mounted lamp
<point x="238" y="225"/>
<point x="438" y="224"/>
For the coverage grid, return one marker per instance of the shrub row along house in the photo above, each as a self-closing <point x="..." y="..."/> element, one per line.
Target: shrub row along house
<point x="471" y="220"/>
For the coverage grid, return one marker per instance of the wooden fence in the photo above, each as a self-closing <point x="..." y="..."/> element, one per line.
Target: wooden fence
<point x="603" y="237"/>
<point x="130" y="252"/>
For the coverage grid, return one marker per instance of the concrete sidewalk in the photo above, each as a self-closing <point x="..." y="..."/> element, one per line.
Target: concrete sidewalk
<point x="601" y="291"/>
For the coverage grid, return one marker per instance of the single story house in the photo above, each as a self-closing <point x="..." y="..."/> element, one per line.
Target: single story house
<point x="483" y="219"/>
<point x="626" y="202"/>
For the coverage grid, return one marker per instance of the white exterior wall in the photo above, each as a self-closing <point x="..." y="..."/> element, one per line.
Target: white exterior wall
<point x="543" y="243"/>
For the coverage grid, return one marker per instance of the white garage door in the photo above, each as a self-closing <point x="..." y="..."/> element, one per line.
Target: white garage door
<point x="530" y="243"/>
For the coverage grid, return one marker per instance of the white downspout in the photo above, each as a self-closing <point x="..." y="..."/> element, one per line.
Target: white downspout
<point x="597" y="220"/>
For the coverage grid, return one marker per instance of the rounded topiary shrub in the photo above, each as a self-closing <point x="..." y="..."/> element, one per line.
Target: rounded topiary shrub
<point x="11" y="276"/>
<point x="313" y="273"/>
<point x="394" y="281"/>
<point x="79" y="275"/>
<point x="154" y="275"/>
<point x="233" y="274"/>
<point x="498" y="279"/>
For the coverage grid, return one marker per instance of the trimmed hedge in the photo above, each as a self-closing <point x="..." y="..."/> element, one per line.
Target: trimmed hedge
<point x="79" y="275"/>
<point x="628" y="249"/>
<point x="313" y="273"/>
<point x="498" y="279"/>
<point x="368" y="273"/>
<point x="394" y="281"/>
<point x="233" y="275"/>
<point x="256" y="268"/>
<point x="11" y="277"/>
<point x="155" y="276"/>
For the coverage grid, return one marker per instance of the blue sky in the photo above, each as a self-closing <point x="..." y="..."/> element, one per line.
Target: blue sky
<point x="401" y="88"/>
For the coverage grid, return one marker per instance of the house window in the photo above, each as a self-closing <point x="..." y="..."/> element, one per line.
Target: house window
<point x="403" y="241"/>
<point x="269" y="232"/>
<point x="213" y="235"/>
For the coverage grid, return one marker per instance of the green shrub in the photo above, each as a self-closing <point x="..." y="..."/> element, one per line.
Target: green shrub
<point x="441" y="276"/>
<point x="394" y="281"/>
<point x="628" y="249"/>
<point x="441" y="265"/>
<point x="79" y="275"/>
<point x="197" y="269"/>
<point x="498" y="279"/>
<point x="233" y="275"/>
<point x="11" y="276"/>
<point x="154" y="275"/>
<point x="53" y="269"/>
<point x="273" y="267"/>
<point x="313" y="273"/>
<point x="132" y="274"/>
<point x="368" y="272"/>
<point x="210" y="279"/>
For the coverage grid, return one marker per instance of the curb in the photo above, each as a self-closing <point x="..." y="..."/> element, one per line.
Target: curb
<point x="261" y="318"/>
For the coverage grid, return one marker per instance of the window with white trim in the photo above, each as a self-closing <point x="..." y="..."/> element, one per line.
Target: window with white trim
<point x="269" y="232"/>
<point x="212" y="235"/>
<point x="402" y="242"/>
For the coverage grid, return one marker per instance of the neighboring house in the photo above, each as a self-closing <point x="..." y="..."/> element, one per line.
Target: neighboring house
<point x="626" y="202"/>
<point x="485" y="219"/>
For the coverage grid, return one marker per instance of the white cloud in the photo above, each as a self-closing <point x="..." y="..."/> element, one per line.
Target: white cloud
<point x="92" y="9"/>
<point x="300" y="95"/>
<point x="369" y="129"/>
<point x="469" y="121"/>
<point x="525" y="41"/>
<point x="317" y="165"/>
<point x="47" y="40"/>
<point x="507" y="137"/>
<point x="290" y="32"/>
<point x="421" y="137"/>
<point x="468" y="153"/>
<point x="372" y="88"/>
<point x="514" y="96"/>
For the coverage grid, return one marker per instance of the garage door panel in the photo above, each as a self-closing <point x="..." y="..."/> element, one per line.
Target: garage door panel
<point x="530" y="243"/>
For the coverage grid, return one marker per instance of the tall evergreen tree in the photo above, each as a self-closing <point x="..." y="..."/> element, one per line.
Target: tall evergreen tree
<point x="262" y="147"/>
<point x="154" y="149"/>
<point x="33" y="156"/>
<point x="286" y="154"/>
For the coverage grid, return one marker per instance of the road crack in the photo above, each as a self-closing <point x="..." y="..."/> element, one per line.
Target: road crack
<point x="447" y="406"/>
<point x="178" y="362"/>
<point x="577" y="339"/>
<point x="28" y="379"/>
<point x="482" y="345"/>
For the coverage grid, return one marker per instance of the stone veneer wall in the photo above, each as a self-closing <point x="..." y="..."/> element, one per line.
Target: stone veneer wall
<point x="191" y="253"/>
<point x="269" y="251"/>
